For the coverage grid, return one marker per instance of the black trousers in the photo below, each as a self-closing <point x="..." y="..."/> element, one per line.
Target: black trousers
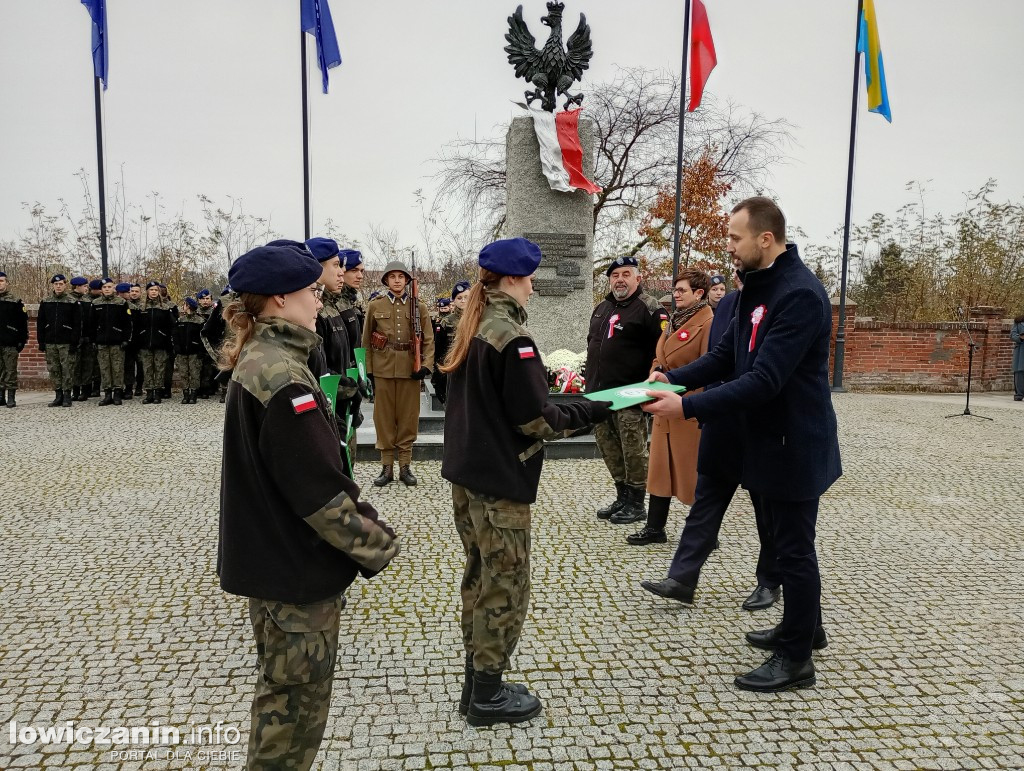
<point x="793" y="524"/>
<point x="711" y="499"/>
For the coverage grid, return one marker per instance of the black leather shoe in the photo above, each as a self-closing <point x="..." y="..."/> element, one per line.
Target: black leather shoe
<point x="405" y="475"/>
<point x="494" y="702"/>
<point x="778" y="673"/>
<point x="762" y="597"/>
<point x="467" y="689"/>
<point x="646" y="536"/>
<point x="387" y="476"/>
<point x="670" y="589"/>
<point x="768" y="638"/>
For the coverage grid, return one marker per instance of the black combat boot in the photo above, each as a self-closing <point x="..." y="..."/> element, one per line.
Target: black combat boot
<point x="95" y="388"/>
<point x="633" y="509"/>
<point x="10" y="398"/>
<point x="138" y="390"/>
<point x="165" y="393"/>
<point x="387" y="476"/>
<point x="157" y="394"/>
<point x="58" y="400"/>
<point x="118" y="396"/>
<point x="494" y="702"/>
<point x="192" y="395"/>
<point x="406" y="476"/>
<point x="3" y="399"/>
<point x="108" y="398"/>
<point x="150" y="398"/>
<point x="185" y="396"/>
<point x="126" y="394"/>
<point x="467" y="687"/>
<point x="614" y="506"/>
<point x="75" y="393"/>
<point x="83" y="394"/>
<point x="67" y="399"/>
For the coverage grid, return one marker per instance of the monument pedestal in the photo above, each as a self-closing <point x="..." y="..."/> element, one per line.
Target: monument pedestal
<point x="562" y="224"/>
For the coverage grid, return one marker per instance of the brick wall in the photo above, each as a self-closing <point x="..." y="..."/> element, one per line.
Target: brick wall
<point x="915" y="356"/>
<point x="32" y="362"/>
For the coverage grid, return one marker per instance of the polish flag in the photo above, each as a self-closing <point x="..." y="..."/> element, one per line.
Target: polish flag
<point x="304" y="403"/>
<point x="702" y="54"/>
<point x="561" y="154"/>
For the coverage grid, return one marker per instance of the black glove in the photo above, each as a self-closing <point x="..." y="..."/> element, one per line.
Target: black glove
<point x="421" y="373"/>
<point x="600" y="411"/>
<point x="373" y="386"/>
<point x="364" y="389"/>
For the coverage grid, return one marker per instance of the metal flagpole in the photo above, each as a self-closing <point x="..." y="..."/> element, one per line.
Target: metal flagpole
<point x="679" y="153"/>
<point x="837" y="372"/>
<point x="102" y="186"/>
<point x="305" y="140"/>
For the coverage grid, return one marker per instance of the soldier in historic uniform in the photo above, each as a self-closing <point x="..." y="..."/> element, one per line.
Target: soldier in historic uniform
<point x="112" y="331"/>
<point x="624" y="330"/>
<point x="294" y="533"/>
<point x="388" y="340"/>
<point x="13" y="337"/>
<point x="188" y="347"/>
<point x="208" y="364"/>
<point x="132" y="364"/>
<point x="155" y="331"/>
<point x="86" y="354"/>
<point x="59" y="334"/>
<point x="497" y="420"/>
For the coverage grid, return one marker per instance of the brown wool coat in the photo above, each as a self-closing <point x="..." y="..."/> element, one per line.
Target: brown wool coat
<point x="672" y="469"/>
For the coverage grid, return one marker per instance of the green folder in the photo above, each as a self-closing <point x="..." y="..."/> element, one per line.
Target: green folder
<point x="360" y="357"/>
<point x="631" y="395"/>
<point x="329" y="385"/>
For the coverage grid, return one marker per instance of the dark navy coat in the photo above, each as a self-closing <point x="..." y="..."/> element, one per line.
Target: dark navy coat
<point x="776" y="353"/>
<point x="720" y="452"/>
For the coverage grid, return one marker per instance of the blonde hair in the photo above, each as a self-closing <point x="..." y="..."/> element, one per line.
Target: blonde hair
<point x="240" y="316"/>
<point x="476" y="301"/>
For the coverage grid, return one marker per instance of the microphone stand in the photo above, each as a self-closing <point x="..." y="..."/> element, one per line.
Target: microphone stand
<point x="971" y="348"/>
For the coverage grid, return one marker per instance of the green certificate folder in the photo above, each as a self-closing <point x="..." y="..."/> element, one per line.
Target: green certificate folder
<point x="631" y="395"/>
<point x="329" y="385"/>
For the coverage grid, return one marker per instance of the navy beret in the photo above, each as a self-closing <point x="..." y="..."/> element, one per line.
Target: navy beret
<point x="97" y="283"/>
<point x="192" y="302"/>
<point x="136" y="286"/>
<point x="463" y="286"/>
<point x="322" y="249"/>
<point x="622" y="262"/>
<point x="122" y="288"/>
<point x="273" y="270"/>
<point x="2" y="274"/>
<point x="152" y="284"/>
<point x="716" y="280"/>
<point x="288" y="242"/>
<point x="202" y="293"/>
<point x="443" y="302"/>
<point x="58" y="277"/>
<point x="104" y="280"/>
<point x="225" y="290"/>
<point x="510" y="257"/>
<point x="351" y="258"/>
<point x="78" y="281"/>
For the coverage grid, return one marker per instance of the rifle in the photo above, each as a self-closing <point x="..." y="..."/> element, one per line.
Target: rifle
<point x="414" y="321"/>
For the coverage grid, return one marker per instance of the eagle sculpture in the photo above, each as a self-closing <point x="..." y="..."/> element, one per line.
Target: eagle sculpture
<point x="552" y="69"/>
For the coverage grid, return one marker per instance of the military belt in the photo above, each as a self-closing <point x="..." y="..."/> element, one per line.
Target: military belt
<point x="400" y="346"/>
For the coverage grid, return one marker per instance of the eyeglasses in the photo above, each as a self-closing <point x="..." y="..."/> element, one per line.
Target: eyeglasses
<point x="318" y="291"/>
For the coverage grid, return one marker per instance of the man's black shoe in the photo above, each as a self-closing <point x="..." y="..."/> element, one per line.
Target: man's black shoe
<point x="762" y="597"/>
<point x="406" y="476"/>
<point x="493" y="702"/>
<point x="778" y="673"/>
<point x="611" y="508"/>
<point x="387" y="476"/>
<point x="670" y="589"/>
<point x="768" y="638"/>
<point x="645" y="536"/>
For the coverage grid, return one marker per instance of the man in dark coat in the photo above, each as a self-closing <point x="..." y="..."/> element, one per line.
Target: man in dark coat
<point x="776" y="352"/>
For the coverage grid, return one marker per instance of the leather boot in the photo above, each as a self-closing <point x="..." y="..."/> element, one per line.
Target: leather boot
<point x="75" y="393"/>
<point x="493" y="702"/>
<point x="58" y="400"/>
<point x="67" y="399"/>
<point x="10" y="398"/>
<point x="82" y="395"/>
<point x="614" y="506"/>
<point x="387" y="476"/>
<point x="406" y="476"/>
<point x="778" y="673"/>
<point x="138" y="390"/>
<point x="126" y="394"/>
<point x="3" y="399"/>
<point x="193" y="396"/>
<point x="647" y="535"/>
<point x="149" y="397"/>
<point x="467" y="687"/>
<point x="165" y="393"/>
<point x="108" y="398"/>
<point x="95" y="388"/>
<point x="185" y="397"/>
<point x="156" y="395"/>
<point x="118" y="396"/>
<point x="633" y="509"/>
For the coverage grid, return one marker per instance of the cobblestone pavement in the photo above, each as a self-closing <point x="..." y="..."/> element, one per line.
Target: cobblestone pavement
<point x="112" y="615"/>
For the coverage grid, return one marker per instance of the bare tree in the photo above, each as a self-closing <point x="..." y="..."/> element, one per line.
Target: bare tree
<point x="231" y="232"/>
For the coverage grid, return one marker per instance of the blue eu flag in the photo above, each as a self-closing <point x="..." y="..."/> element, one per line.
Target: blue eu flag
<point x="98" y="12"/>
<point x="316" y="20"/>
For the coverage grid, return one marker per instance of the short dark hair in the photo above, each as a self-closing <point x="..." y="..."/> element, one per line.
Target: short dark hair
<point x="765" y="216"/>
<point x="697" y="279"/>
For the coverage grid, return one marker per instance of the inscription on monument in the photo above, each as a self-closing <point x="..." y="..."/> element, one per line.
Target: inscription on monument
<point x="568" y="269"/>
<point x="558" y="246"/>
<point x="562" y="252"/>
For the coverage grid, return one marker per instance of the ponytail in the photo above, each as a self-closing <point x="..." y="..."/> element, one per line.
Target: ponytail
<point x="240" y="316"/>
<point x="470" y="322"/>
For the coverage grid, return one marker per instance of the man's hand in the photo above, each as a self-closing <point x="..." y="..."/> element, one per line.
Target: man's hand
<point x="657" y="377"/>
<point x="666" y="404"/>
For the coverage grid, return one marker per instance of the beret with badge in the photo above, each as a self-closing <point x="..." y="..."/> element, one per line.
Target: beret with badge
<point x="273" y="270"/>
<point x="351" y="258"/>
<point x="622" y="262"/>
<point x="97" y="283"/>
<point x="323" y="249"/>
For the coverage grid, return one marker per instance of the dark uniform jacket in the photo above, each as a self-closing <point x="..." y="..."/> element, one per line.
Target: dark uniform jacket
<point x="292" y="527"/>
<point x="187" y="331"/>
<point x="154" y="327"/>
<point x="60" y="321"/>
<point x="779" y="386"/>
<point x="13" y="322"/>
<point x="336" y="347"/>
<point x="347" y="302"/>
<point x="85" y="300"/>
<point x="719" y="454"/>
<point x="498" y="412"/>
<point x="621" y="341"/>
<point x="111" y="321"/>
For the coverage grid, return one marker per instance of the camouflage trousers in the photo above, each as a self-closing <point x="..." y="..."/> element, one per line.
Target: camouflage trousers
<point x="8" y="367"/>
<point x="189" y="369"/>
<point x="85" y="362"/>
<point x="622" y="440"/>
<point x="296" y="647"/>
<point x="495" y="536"/>
<point x="60" y="362"/>
<point x="111" y="362"/>
<point x="154" y="364"/>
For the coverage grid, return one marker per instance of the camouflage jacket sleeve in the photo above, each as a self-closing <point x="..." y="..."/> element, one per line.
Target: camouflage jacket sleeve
<point x="301" y="447"/>
<point x="525" y="395"/>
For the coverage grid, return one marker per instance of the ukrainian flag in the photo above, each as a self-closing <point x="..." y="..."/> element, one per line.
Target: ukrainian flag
<point x="874" y="71"/>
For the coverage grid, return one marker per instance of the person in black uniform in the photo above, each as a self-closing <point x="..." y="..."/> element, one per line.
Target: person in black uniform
<point x="776" y="353"/>
<point x="497" y="419"/>
<point x="59" y="334"/>
<point x="208" y="364"/>
<point x="155" y="331"/>
<point x="111" y="331"/>
<point x="13" y="338"/>
<point x="213" y="336"/>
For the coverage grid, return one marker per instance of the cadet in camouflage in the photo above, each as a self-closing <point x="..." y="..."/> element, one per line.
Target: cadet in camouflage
<point x="13" y="337"/>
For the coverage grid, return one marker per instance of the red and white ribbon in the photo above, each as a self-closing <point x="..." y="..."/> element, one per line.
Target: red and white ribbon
<point x="755" y="319"/>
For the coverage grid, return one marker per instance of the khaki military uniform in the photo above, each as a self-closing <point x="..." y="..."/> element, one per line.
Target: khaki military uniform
<point x="396" y="408"/>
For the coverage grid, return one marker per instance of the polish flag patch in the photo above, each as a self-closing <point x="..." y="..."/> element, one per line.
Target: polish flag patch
<point x="527" y="353"/>
<point x="304" y="403"/>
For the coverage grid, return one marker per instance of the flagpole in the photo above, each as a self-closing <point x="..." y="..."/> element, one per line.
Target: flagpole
<point x="679" y="151"/>
<point x="840" y="354"/>
<point x="102" y="186"/>
<point x="305" y="139"/>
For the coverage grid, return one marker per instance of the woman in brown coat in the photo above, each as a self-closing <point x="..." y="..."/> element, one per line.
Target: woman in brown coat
<point x="672" y="469"/>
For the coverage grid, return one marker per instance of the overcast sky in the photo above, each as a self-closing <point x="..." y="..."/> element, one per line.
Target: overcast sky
<point x="204" y="98"/>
